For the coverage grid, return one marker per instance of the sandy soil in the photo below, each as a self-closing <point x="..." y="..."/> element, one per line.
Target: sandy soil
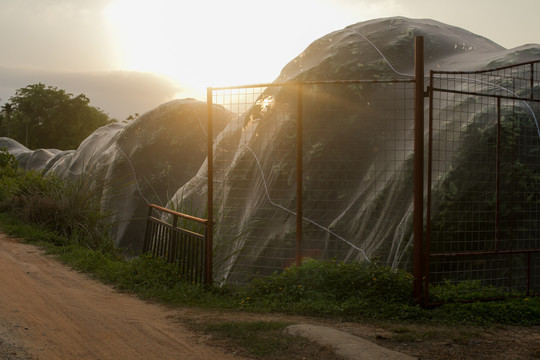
<point x="49" y="311"/>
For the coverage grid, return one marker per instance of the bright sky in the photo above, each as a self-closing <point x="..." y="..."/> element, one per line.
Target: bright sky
<point x="201" y="43"/>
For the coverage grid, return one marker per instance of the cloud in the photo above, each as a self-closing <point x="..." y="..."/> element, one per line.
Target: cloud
<point x="56" y="34"/>
<point x="118" y="93"/>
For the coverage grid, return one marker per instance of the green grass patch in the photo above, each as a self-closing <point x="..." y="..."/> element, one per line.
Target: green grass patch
<point x="264" y="340"/>
<point x="469" y="290"/>
<point x="332" y="288"/>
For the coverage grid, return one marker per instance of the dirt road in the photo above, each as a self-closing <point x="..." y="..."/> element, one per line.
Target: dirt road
<point x="49" y="311"/>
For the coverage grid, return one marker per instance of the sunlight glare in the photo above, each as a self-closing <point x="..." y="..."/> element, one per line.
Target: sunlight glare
<point x="213" y="43"/>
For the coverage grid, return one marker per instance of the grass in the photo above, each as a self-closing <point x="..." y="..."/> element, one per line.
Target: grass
<point x="263" y="340"/>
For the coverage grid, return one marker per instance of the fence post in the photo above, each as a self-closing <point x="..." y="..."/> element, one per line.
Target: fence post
<point x="147" y="232"/>
<point x="209" y="236"/>
<point x="299" y="175"/>
<point x="171" y="255"/>
<point x="427" y="239"/>
<point x="418" y="215"/>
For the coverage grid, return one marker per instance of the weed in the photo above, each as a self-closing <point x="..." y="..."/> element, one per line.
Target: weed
<point x="260" y="339"/>
<point x="332" y="287"/>
<point x="466" y="290"/>
<point x="71" y="209"/>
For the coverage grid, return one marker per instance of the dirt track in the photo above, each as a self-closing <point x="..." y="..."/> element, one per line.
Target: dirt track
<point x="48" y="311"/>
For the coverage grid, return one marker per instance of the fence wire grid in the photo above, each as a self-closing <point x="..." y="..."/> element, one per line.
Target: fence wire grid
<point x="356" y="141"/>
<point x="484" y="179"/>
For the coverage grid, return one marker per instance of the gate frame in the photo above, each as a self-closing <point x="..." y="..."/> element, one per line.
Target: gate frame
<point x="418" y="202"/>
<point x="427" y="254"/>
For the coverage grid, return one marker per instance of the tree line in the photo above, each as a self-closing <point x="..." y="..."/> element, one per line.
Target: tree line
<point x="45" y="117"/>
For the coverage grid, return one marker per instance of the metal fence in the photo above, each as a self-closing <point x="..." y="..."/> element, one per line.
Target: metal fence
<point x="334" y="170"/>
<point x="484" y="180"/>
<point x="320" y="170"/>
<point x="181" y="239"/>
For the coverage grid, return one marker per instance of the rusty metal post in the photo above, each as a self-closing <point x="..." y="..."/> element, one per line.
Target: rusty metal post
<point x="427" y="244"/>
<point x="171" y="255"/>
<point x="418" y="214"/>
<point x="498" y="177"/>
<point x="528" y="273"/>
<point x="209" y="236"/>
<point x="299" y="175"/>
<point x="147" y="232"/>
<point x="531" y="85"/>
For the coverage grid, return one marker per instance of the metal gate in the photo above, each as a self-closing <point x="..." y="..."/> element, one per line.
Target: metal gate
<point x="483" y="183"/>
<point x="181" y="239"/>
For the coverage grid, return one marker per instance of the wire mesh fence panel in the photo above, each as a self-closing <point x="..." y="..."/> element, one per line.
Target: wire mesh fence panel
<point x="484" y="189"/>
<point x="358" y="171"/>
<point x="254" y="173"/>
<point x="356" y="183"/>
<point x="464" y="169"/>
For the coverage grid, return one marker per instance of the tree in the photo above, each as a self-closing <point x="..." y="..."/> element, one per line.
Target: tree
<point x="47" y="117"/>
<point x="5" y="116"/>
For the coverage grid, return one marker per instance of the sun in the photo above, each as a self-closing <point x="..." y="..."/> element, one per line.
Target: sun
<point x="191" y="45"/>
<point x="206" y="43"/>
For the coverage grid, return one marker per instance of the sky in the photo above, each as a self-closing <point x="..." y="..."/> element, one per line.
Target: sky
<point x="129" y="56"/>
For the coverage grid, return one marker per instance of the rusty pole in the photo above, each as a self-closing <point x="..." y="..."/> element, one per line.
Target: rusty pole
<point x="427" y="239"/>
<point x="208" y="273"/>
<point x="299" y="175"/>
<point x="418" y="214"/>
<point x="498" y="177"/>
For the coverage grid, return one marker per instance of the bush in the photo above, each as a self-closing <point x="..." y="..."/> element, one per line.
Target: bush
<point x="336" y="282"/>
<point x="8" y="162"/>
<point x="8" y="170"/>
<point x="72" y="209"/>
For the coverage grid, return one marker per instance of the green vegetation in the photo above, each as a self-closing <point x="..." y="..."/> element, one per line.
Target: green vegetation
<point x="246" y="335"/>
<point x="263" y="340"/>
<point x="469" y="190"/>
<point x="40" y="116"/>
<point x="32" y="208"/>
<point x="354" y="290"/>
<point x="69" y="209"/>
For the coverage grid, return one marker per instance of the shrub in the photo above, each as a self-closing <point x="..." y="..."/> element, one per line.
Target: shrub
<point x="337" y="282"/>
<point x="72" y="209"/>
<point x="8" y="162"/>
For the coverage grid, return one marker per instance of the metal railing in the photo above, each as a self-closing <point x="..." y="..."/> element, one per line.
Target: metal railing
<point x="179" y="241"/>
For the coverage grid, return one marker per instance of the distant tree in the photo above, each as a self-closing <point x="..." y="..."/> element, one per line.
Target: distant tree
<point x="5" y="117"/>
<point x="132" y="117"/>
<point x="47" y="117"/>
